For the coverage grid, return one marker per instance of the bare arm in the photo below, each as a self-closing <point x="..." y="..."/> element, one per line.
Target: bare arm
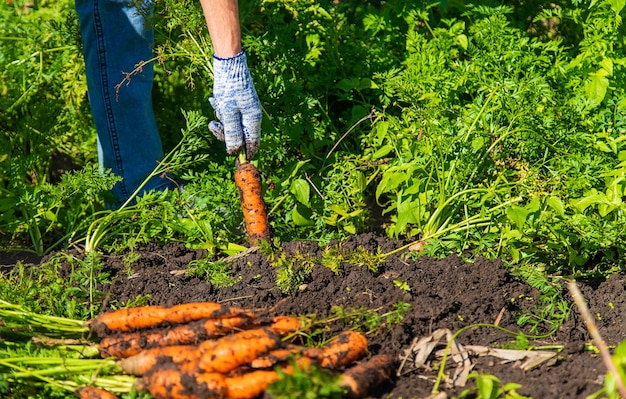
<point x="222" y="18"/>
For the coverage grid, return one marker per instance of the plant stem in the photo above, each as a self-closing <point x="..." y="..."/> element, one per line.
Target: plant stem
<point x="595" y="335"/>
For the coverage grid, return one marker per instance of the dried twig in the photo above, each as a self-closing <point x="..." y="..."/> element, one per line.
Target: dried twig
<point x="595" y="336"/>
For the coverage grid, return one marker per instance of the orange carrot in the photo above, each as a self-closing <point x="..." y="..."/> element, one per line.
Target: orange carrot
<point x="142" y="317"/>
<point x="89" y="392"/>
<point x="252" y="384"/>
<point x="282" y="355"/>
<point x="237" y="349"/>
<point x="347" y="347"/>
<point x="131" y="343"/>
<point x="358" y="380"/>
<point x="170" y="383"/>
<point x="185" y="357"/>
<point x="248" y="182"/>
<point x="285" y="325"/>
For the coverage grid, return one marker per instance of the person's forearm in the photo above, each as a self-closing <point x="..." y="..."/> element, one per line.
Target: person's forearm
<point x="222" y="18"/>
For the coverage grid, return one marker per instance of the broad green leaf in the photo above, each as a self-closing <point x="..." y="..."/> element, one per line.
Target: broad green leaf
<point x="602" y="146"/>
<point x="593" y="198"/>
<point x="596" y="87"/>
<point x="345" y="85"/>
<point x="517" y="215"/>
<point x="556" y="204"/>
<point x="301" y="216"/>
<point x="302" y="191"/>
<point x="462" y="41"/>
<point x="617" y="5"/>
<point x="406" y="214"/>
<point x="382" y="151"/>
<point x="381" y="131"/>
<point x="367" y="83"/>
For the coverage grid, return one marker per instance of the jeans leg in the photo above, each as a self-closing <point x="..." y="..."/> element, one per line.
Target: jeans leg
<point x="116" y="38"/>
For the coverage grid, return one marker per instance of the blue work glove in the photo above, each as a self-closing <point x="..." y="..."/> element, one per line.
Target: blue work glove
<point x="236" y="105"/>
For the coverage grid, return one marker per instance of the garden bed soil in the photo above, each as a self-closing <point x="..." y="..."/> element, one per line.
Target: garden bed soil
<point x="444" y="294"/>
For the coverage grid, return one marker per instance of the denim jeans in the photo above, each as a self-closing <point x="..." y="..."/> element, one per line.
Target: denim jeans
<point x="116" y="38"/>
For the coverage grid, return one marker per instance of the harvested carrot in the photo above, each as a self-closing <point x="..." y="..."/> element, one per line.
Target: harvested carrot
<point x="347" y="347"/>
<point x="237" y="349"/>
<point x="282" y="355"/>
<point x="143" y="317"/>
<point x="131" y="343"/>
<point x="89" y="392"/>
<point x="358" y="380"/>
<point x="248" y="182"/>
<point x="170" y="383"/>
<point x="185" y="357"/>
<point x="285" y="325"/>
<point x="252" y="384"/>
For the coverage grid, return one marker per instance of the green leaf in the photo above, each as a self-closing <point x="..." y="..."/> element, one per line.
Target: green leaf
<point x="517" y="215"/>
<point x="302" y="191"/>
<point x="301" y="216"/>
<point x="617" y="5"/>
<point x="596" y="87"/>
<point x="382" y="151"/>
<point x="556" y="204"/>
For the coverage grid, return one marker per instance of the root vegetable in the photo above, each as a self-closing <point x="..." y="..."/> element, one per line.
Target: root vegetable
<point x="346" y="348"/>
<point x="185" y="357"/>
<point x="285" y="325"/>
<point x="170" y="383"/>
<point x="248" y="182"/>
<point x="282" y="355"/>
<point x="237" y="349"/>
<point x="252" y="384"/>
<point x="131" y="343"/>
<point x="359" y="379"/>
<point x="144" y="317"/>
<point x="89" y="392"/>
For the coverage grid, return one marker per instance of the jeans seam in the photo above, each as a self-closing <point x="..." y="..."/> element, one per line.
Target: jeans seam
<point x="102" y="60"/>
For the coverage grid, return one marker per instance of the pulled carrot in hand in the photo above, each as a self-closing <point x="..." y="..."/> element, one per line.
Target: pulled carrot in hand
<point x="248" y="182"/>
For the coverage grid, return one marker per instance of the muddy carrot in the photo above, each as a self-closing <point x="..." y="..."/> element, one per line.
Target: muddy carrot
<point x="282" y="355"/>
<point x="285" y="325"/>
<point x="89" y="392"/>
<point x="143" y="317"/>
<point x="184" y="357"/>
<point x="359" y="379"/>
<point x="237" y="349"/>
<point x="248" y="182"/>
<point x="252" y="384"/>
<point x="344" y="349"/>
<point x="170" y="383"/>
<point x="131" y="343"/>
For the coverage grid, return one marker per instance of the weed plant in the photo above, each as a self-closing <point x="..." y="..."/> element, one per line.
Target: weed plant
<point x="490" y="128"/>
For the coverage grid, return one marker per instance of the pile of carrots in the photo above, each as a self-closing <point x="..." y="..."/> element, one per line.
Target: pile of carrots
<point x="209" y="350"/>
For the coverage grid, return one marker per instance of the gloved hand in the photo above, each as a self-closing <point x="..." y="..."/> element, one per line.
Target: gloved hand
<point x="236" y="105"/>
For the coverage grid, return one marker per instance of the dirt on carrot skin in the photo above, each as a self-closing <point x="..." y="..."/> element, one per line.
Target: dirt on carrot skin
<point x="444" y="294"/>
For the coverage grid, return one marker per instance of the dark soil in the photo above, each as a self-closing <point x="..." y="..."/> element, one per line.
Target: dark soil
<point x="448" y="293"/>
